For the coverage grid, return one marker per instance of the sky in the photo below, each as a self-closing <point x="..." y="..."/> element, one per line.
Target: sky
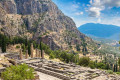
<point x="91" y="11"/>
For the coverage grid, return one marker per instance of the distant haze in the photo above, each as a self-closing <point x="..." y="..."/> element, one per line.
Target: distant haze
<point x="101" y="30"/>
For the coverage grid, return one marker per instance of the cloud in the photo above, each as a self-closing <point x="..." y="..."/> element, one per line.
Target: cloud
<point x="94" y="12"/>
<point x="79" y="13"/>
<point x="96" y="6"/>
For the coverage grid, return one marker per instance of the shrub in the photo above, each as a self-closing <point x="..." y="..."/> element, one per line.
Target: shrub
<point x="110" y="71"/>
<point x="118" y="73"/>
<point x="19" y="72"/>
<point x="52" y="56"/>
<point x="100" y="65"/>
<point x="84" y="61"/>
<point x="17" y="47"/>
<point x="92" y="64"/>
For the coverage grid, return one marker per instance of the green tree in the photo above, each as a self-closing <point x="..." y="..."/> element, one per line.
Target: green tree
<point x="78" y="47"/>
<point x="41" y="46"/>
<point x="3" y="44"/>
<point x="24" y="48"/>
<point x="119" y="61"/>
<point x="19" y="72"/>
<point x="29" y="48"/>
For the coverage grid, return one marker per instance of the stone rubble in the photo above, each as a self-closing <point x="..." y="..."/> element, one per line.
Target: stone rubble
<point x="65" y="71"/>
<point x="68" y="71"/>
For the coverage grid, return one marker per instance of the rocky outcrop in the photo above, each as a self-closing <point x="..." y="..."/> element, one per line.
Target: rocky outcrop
<point x="35" y="18"/>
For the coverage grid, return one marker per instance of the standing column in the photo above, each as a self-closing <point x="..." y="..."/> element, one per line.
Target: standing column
<point x="21" y="55"/>
<point x="31" y="50"/>
<point x="36" y="52"/>
<point x="118" y="68"/>
<point x="39" y="54"/>
<point x="113" y="67"/>
<point x="43" y="54"/>
<point x="26" y="55"/>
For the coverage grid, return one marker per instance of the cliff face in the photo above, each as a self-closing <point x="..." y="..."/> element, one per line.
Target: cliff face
<point x="35" y="18"/>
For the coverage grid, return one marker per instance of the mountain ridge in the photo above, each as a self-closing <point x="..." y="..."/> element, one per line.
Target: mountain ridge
<point x="36" y="18"/>
<point x="101" y="30"/>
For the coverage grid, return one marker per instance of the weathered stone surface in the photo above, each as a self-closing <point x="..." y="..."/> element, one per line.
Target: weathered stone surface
<point x="39" y="54"/>
<point x="43" y="53"/>
<point x="21" y="54"/>
<point x="32" y="50"/>
<point x="33" y="18"/>
<point x="69" y="73"/>
<point x="36" y="53"/>
<point x="26" y="54"/>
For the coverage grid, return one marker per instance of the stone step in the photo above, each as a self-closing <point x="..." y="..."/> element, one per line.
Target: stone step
<point x="52" y="73"/>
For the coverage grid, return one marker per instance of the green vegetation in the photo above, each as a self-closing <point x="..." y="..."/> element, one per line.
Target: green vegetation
<point x="63" y="55"/>
<point x="110" y="71"/>
<point x="3" y="42"/>
<point x="19" y="72"/>
<point x="84" y="61"/>
<point x="17" y="47"/>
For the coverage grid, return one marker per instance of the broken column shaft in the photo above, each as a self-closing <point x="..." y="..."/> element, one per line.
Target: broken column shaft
<point x="26" y="55"/>
<point x="31" y="50"/>
<point x="21" y="55"/>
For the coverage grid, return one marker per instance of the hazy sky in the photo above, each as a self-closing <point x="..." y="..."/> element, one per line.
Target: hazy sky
<point x="91" y="11"/>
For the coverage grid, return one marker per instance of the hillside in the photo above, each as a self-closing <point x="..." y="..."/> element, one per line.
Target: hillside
<point x="101" y="30"/>
<point x="41" y="18"/>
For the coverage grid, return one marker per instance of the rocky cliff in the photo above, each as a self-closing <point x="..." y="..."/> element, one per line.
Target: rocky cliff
<point x="35" y="18"/>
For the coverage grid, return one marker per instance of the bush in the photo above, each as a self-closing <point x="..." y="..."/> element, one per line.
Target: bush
<point x="110" y="71"/>
<point x="92" y="65"/>
<point x="52" y="56"/>
<point x="84" y="61"/>
<point x="118" y="73"/>
<point x="100" y="65"/>
<point x="17" y="47"/>
<point x="19" y="72"/>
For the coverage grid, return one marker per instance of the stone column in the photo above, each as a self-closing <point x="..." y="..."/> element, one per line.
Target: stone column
<point x="21" y="55"/>
<point x="43" y="54"/>
<point x="31" y="50"/>
<point x="36" y="52"/>
<point x="39" y="55"/>
<point x="118" y="68"/>
<point x="113" y="67"/>
<point x="26" y="55"/>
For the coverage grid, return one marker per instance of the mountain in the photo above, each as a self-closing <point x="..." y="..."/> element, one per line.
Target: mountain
<point x="41" y="18"/>
<point x="101" y="30"/>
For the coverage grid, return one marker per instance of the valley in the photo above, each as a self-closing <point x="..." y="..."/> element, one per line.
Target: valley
<point x="40" y="42"/>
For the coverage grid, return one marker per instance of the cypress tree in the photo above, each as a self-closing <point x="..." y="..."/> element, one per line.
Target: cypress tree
<point x="41" y="48"/>
<point x="29" y="49"/>
<point x="116" y="67"/>
<point x="107" y="66"/>
<point x="3" y="46"/>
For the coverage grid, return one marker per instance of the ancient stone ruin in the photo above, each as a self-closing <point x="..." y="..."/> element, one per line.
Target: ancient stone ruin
<point x="32" y="50"/>
<point x="67" y="71"/>
<point x="21" y="55"/>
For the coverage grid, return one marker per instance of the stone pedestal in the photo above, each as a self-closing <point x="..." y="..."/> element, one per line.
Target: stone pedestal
<point x="26" y="55"/>
<point x="31" y="50"/>
<point x="21" y="55"/>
